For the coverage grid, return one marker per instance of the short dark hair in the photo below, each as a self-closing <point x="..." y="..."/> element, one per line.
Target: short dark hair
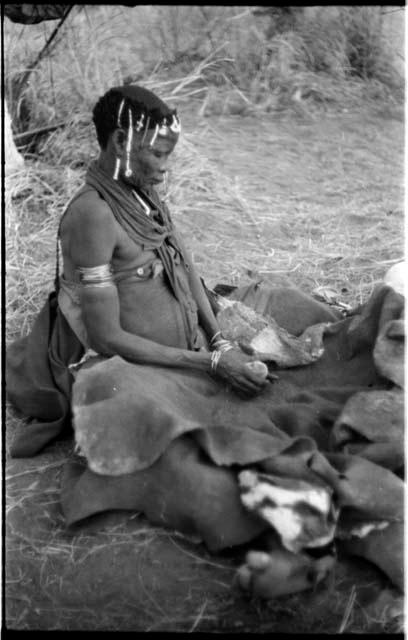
<point x="105" y="115"/>
<point x="137" y="99"/>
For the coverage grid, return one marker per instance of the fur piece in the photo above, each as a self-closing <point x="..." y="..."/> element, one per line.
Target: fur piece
<point x="264" y="338"/>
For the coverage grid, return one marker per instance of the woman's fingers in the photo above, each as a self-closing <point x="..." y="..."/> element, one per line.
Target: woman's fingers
<point x="244" y="374"/>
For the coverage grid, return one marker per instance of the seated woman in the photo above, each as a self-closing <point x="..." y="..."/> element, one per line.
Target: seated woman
<point x="170" y="417"/>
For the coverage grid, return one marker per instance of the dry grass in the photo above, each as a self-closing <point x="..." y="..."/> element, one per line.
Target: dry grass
<point x="316" y="197"/>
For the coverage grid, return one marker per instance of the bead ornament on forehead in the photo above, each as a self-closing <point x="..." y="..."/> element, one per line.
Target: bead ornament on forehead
<point x="139" y="123"/>
<point x="164" y="129"/>
<point x="173" y="126"/>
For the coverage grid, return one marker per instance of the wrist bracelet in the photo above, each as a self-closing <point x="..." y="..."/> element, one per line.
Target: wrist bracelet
<point x="215" y="358"/>
<point x="214" y="338"/>
<point x="219" y="343"/>
<point x="223" y="345"/>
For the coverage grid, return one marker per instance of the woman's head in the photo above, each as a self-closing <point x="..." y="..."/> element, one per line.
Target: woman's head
<point x="137" y="131"/>
<point x="131" y="106"/>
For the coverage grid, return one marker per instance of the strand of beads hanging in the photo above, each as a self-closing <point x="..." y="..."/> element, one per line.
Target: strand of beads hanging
<point x="129" y="171"/>
<point x="120" y="112"/>
<point x="118" y="124"/>
<point x="117" y="169"/>
<point x="139" y="123"/>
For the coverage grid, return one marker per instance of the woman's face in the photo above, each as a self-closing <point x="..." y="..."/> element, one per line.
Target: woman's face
<point x="148" y="164"/>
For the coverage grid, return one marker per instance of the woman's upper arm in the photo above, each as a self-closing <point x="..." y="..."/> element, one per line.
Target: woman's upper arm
<point x="92" y="235"/>
<point x="91" y="244"/>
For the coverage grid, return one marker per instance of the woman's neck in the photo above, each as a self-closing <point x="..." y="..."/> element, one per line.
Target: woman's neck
<point x="107" y="163"/>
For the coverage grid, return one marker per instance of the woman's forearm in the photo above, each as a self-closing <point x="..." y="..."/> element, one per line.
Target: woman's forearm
<point x="101" y="316"/>
<point x="143" y="351"/>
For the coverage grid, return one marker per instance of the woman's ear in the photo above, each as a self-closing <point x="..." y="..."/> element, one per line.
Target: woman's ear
<point x="119" y="142"/>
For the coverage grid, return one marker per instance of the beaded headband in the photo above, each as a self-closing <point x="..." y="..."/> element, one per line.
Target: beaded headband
<point x="164" y="126"/>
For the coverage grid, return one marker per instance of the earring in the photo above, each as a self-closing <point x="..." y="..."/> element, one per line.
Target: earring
<point x="117" y="168"/>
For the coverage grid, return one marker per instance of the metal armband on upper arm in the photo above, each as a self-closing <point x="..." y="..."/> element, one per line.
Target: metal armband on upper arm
<point x="100" y="276"/>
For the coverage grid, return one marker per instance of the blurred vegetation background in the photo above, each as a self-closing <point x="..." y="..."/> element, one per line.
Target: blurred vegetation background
<point x="223" y="59"/>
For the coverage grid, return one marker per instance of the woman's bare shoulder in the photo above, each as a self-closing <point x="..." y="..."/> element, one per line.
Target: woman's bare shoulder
<point x="89" y="232"/>
<point x="89" y="209"/>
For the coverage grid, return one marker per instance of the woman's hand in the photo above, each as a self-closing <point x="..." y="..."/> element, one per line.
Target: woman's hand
<point x="232" y="367"/>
